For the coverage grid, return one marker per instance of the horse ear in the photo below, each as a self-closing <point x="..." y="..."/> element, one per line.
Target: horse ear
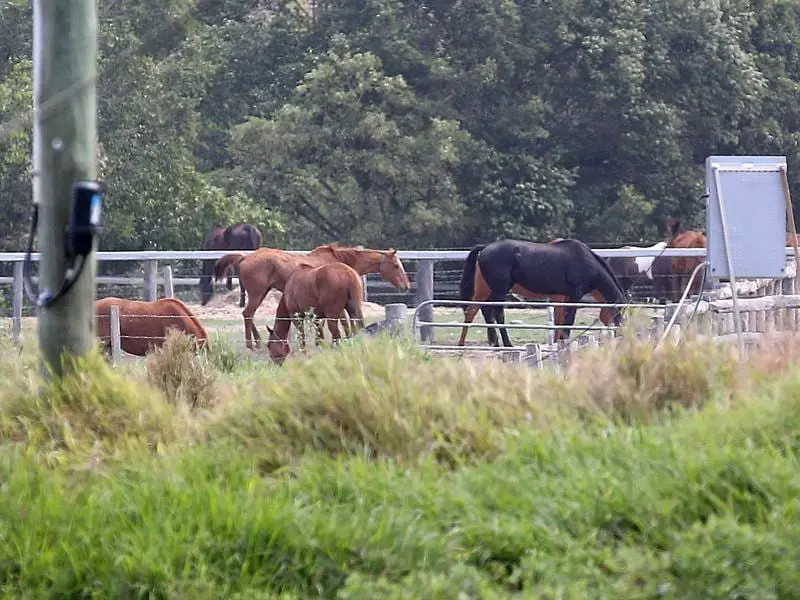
<point x="392" y="251"/>
<point x="672" y="227"/>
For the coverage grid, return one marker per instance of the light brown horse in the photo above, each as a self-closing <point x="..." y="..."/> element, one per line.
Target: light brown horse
<point x="481" y="292"/>
<point x="329" y="290"/>
<point x="682" y="266"/>
<point x="269" y="268"/>
<point x="144" y="325"/>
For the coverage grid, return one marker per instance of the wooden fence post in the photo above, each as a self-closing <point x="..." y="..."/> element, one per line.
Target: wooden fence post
<point x="169" y="289"/>
<point x="551" y="320"/>
<point x="534" y="355"/>
<point x="396" y="317"/>
<point x="116" y="338"/>
<point x="424" y="283"/>
<point x="512" y="356"/>
<point x="16" y="303"/>
<point x="150" y="291"/>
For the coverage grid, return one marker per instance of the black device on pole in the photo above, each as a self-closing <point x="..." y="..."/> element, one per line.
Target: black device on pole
<point x="84" y="226"/>
<point x="85" y="221"/>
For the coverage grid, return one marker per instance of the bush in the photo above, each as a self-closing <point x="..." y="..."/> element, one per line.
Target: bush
<point x="185" y="377"/>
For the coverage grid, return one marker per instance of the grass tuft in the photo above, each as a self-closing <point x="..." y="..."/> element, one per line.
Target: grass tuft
<point x="93" y="409"/>
<point x="381" y="399"/>
<point x="186" y="377"/>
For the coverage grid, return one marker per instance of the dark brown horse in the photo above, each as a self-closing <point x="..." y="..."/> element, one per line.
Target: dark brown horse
<point x="563" y="270"/>
<point x="481" y="293"/>
<point x="235" y="237"/>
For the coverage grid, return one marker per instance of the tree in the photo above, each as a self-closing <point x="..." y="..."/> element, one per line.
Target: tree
<point x="352" y="158"/>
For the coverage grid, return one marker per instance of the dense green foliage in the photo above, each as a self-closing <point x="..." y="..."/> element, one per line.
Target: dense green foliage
<point x="339" y="476"/>
<point x="416" y="124"/>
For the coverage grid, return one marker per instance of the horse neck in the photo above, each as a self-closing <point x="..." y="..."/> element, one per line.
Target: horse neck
<point x="282" y="321"/>
<point x="689" y="239"/>
<point x="608" y="286"/>
<point x="362" y="260"/>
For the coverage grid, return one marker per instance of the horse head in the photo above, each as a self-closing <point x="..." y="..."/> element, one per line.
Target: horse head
<point x="206" y="289"/>
<point x="672" y="227"/>
<point x="392" y="270"/>
<point x="278" y="348"/>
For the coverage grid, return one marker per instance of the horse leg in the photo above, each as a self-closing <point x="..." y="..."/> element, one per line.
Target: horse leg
<point x="558" y="319"/>
<point x="333" y="326"/>
<point x="348" y="329"/>
<point x="469" y="316"/>
<point x="248" y="314"/>
<point x="480" y="294"/>
<point x="488" y="317"/>
<point x="495" y="315"/>
<point x="570" y="312"/>
<point x="500" y="318"/>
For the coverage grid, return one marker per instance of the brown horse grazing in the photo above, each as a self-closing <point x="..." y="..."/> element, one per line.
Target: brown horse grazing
<point x="682" y="267"/>
<point x="329" y="290"/>
<point x="480" y="292"/>
<point x="269" y="268"/>
<point x="563" y="269"/>
<point x="235" y="237"/>
<point x="144" y="325"/>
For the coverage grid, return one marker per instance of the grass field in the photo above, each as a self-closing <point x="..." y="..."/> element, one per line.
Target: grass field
<point x="372" y="471"/>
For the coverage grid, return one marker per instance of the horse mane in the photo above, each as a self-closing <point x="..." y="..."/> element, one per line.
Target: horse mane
<point x="606" y="268"/>
<point x="338" y="250"/>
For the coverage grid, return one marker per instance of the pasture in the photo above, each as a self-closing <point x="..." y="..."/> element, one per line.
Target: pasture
<point x="372" y="471"/>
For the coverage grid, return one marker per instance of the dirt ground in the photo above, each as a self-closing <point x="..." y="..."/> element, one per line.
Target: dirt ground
<point x="225" y="306"/>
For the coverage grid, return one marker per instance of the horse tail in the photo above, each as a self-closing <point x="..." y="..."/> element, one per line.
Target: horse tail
<point x="354" y="306"/>
<point x="256" y="237"/>
<point x="467" y="286"/>
<point x="225" y="263"/>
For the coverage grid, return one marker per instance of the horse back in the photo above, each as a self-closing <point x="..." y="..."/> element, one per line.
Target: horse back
<point x="145" y="323"/>
<point x="242" y="236"/>
<point x="689" y="239"/>
<point x="215" y="239"/>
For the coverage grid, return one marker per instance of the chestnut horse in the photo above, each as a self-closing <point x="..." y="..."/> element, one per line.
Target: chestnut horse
<point x="682" y="266"/>
<point x="329" y="290"/>
<point x="144" y="325"/>
<point x="235" y="237"/>
<point x="269" y="268"/>
<point x="564" y="270"/>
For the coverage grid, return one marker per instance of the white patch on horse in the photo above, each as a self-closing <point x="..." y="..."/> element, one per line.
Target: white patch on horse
<point x="645" y="263"/>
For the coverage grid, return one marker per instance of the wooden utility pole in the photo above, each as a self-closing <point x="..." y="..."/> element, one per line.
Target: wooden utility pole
<point x="65" y="141"/>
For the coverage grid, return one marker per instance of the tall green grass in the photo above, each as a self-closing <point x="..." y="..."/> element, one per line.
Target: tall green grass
<point x="372" y="471"/>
